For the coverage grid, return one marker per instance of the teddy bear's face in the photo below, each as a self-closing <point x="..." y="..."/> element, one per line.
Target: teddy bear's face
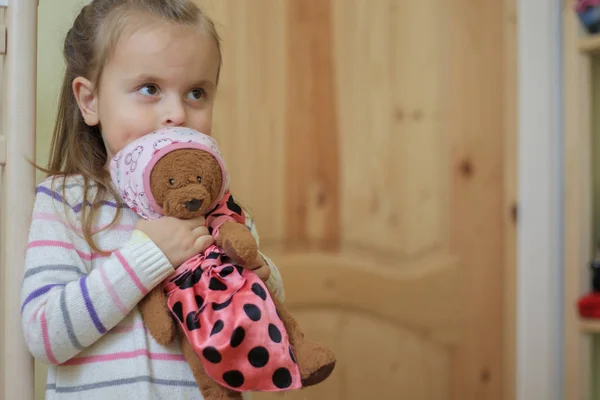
<point x="186" y="182"/>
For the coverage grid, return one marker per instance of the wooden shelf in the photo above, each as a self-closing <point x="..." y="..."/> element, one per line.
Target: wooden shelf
<point x="589" y="325"/>
<point x="590" y="44"/>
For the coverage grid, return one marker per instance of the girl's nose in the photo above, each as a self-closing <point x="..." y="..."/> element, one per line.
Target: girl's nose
<point x="174" y="114"/>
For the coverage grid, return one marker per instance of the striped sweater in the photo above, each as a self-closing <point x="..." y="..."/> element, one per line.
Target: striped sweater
<point x="79" y="311"/>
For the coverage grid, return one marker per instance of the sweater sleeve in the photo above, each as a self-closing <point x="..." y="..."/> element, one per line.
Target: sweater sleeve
<point x="275" y="281"/>
<point x="65" y="306"/>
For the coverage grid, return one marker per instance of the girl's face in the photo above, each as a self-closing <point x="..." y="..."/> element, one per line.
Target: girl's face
<point x="160" y="75"/>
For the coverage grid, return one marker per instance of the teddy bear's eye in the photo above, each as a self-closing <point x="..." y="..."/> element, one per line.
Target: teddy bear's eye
<point x="171" y="181"/>
<point x="199" y="179"/>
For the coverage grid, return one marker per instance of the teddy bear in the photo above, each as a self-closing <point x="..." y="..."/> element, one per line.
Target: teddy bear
<point x="235" y="334"/>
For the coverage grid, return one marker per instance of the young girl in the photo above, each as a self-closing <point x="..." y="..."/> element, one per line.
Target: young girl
<point x="133" y="66"/>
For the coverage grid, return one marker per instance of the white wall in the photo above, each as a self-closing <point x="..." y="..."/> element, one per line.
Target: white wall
<point x="539" y="275"/>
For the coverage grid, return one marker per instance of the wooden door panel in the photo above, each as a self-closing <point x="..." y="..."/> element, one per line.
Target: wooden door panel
<point x="390" y="328"/>
<point x="394" y="162"/>
<point x="365" y="137"/>
<point x="250" y="118"/>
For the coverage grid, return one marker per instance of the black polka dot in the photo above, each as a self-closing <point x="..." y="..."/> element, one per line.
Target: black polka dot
<point x="212" y="256"/>
<point x="221" y="306"/>
<point x="293" y="356"/>
<point x="185" y="281"/>
<point x="188" y="278"/>
<point x="253" y="312"/>
<point x="279" y="315"/>
<point x="225" y="259"/>
<point x="259" y="290"/>
<point x="178" y="310"/>
<point x="196" y="275"/>
<point x="233" y="378"/>
<point x="258" y="357"/>
<point x="274" y="333"/>
<point x="218" y="327"/>
<point x="237" y="337"/>
<point x="217" y="285"/>
<point x="212" y="355"/>
<point x="240" y="269"/>
<point x="226" y="271"/>
<point x="282" y="378"/>
<point x="178" y="276"/>
<point x="199" y="301"/>
<point x="192" y="321"/>
<point x="233" y="206"/>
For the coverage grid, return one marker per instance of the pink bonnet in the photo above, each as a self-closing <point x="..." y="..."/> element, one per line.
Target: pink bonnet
<point x="131" y="167"/>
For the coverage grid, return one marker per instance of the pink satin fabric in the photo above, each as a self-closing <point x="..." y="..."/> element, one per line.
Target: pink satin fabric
<point x="230" y="319"/>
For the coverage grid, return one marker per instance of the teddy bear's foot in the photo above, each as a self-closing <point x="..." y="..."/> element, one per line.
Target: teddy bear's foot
<point x="157" y="317"/>
<point x="316" y="362"/>
<point x="319" y="375"/>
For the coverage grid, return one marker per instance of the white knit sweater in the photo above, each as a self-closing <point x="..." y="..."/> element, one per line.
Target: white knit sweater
<point x="79" y="312"/>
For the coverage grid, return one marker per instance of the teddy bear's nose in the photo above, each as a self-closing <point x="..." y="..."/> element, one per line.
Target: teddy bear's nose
<point x="193" y="205"/>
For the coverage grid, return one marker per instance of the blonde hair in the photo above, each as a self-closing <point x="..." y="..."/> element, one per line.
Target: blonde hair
<point x="77" y="148"/>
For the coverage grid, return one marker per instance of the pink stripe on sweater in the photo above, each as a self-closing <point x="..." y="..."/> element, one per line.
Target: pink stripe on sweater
<point x="64" y="245"/>
<point x="31" y="320"/>
<point x="124" y="355"/>
<point x="131" y="273"/>
<point x="45" y="216"/>
<point x="47" y="339"/>
<point x="113" y="293"/>
<point x="126" y="329"/>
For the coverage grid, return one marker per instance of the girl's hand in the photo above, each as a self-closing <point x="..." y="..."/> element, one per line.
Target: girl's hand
<point x="178" y="239"/>
<point x="260" y="268"/>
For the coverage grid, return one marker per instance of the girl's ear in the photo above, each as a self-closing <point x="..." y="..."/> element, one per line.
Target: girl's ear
<point x="87" y="100"/>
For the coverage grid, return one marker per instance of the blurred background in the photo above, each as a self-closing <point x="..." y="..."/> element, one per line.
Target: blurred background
<point x="375" y="143"/>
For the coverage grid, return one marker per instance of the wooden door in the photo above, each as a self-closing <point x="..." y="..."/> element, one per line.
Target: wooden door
<point x="367" y="138"/>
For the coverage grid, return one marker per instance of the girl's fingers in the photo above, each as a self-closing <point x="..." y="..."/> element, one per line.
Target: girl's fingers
<point x="200" y="231"/>
<point x="202" y="243"/>
<point x="196" y="222"/>
<point x="259" y="262"/>
<point x="263" y="272"/>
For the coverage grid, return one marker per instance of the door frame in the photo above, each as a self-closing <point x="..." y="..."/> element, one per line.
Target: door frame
<point x="540" y="236"/>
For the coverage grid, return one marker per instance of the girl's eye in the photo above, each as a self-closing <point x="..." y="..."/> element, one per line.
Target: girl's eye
<point x="197" y="94"/>
<point x="149" y="90"/>
<point x="171" y="181"/>
<point x="199" y="179"/>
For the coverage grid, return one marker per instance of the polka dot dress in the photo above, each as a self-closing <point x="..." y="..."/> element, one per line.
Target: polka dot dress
<point x="228" y="316"/>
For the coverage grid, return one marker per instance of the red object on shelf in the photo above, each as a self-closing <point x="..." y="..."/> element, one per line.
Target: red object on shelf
<point x="582" y="5"/>
<point x="589" y="305"/>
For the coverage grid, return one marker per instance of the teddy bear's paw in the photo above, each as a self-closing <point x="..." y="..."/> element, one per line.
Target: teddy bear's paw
<point x="240" y="252"/>
<point x="316" y="362"/>
<point x="238" y="243"/>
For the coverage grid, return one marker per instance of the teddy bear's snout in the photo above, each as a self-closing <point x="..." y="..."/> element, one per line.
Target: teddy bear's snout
<point x="193" y="205"/>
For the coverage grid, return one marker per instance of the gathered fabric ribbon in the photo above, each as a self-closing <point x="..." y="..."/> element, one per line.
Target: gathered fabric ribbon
<point x="229" y="317"/>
